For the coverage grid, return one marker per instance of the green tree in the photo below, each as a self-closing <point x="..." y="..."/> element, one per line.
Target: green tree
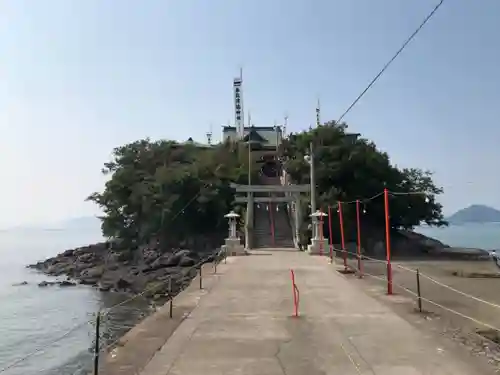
<point x="176" y="193"/>
<point x="349" y="168"/>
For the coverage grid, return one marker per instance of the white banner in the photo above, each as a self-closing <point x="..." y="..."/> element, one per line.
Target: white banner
<point x="238" y="106"/>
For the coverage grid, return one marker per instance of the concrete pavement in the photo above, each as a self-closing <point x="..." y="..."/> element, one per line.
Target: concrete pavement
<point x="244" y="326"/>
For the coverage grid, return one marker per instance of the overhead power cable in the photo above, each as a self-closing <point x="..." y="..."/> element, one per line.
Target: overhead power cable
<point x="410" y="38"/>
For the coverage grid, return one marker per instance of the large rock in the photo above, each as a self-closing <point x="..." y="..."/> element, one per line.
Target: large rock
<point x="86" y="258"/>
<point x="68" y="253"/>
<point x="59" y="269"/>
<point x="47" y="283"/>
<point x="181" y="258"/>
<point x="123" y="283"/>
<point x="89" y="281"/>
<point x="92" y="273"/>
<point x="66" y="283"/>
<point x="164" y="261"/>
<point x="186" y="261"/>
<point x="122" y="269"/>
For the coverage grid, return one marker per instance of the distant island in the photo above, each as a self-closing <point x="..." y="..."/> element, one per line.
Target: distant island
<point x="476" y="213"/>
<point x="83" y="222"/>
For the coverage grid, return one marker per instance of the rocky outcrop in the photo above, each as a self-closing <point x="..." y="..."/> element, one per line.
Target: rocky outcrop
<point x="122" y="270"/>
<point x="409" y="245"/>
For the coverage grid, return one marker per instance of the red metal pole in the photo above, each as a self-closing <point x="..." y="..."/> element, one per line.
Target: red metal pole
<point x="388" y="242"/>
<point x="342" y="240"/>
<point x="294" y="290"/>
<point x="271" y="217"/>
<point x="330" y="231"/>
<point x="358" y="227"/>
<point x="321" y="234"/>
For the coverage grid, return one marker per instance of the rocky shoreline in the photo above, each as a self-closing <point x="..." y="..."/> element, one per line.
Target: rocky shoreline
<point x="145" y="270"/>
<point x="150" y="267"/>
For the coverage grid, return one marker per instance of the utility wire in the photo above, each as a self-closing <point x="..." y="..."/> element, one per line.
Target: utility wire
<point x="429" y="16"/>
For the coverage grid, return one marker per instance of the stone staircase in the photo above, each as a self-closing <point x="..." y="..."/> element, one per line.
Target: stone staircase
<point x="283" y="233"/>
<point x="263" y="234"/>
<point x="280" y="234"/>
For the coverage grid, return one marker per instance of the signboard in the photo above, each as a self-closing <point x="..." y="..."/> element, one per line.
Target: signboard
<point x="238" y="106"/>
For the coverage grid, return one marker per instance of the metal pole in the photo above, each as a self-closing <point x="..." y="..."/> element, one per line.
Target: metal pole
<point x="201" y="278"/>
<point x="271" y="220"/>
<point x="321" y="234"/>
<point x="96" y="348"/>
<point x="330" y="232"/>
<point x="418" y="292"/>
<point x="313" y="190"/>
<point x="388" y="242"/>
<point x="249" y="163"/>
<point x="358" y="232"/>
<point x="342" y="238"/>
<point x="171" y="307"/>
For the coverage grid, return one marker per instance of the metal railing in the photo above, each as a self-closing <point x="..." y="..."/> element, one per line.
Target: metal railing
<point x="99" y="346"/>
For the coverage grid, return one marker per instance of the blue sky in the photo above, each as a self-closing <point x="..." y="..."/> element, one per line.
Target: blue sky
<point x="80" y="77"/>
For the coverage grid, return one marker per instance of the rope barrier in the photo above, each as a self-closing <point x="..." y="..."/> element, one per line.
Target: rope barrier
<point x="44" y="347"/>
<point x="409" y="291"/>
<point x="216" y="257"/>
<point x="380" y="194"/>
<point x="197" y="265"/>
<point x="460" y="292"/>
<point x="106" y="311"/>
<point x="477" y="299"/>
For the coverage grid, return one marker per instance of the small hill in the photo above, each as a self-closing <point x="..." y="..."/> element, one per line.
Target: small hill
<point x="476" y="213"/>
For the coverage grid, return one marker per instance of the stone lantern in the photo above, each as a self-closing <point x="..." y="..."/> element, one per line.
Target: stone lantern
<point x="233" y="244"/>
<point x="319" y="244"/>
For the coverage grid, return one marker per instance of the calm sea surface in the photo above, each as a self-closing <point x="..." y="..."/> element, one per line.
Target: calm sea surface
<point x="484" y="236"/>
<point x="33" y="317"/>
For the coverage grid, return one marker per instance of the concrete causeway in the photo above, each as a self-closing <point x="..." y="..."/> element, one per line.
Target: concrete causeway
<point x="244" y="326"/>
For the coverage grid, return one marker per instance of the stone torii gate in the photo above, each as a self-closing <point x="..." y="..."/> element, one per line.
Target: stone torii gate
<point x="254" y="194"/>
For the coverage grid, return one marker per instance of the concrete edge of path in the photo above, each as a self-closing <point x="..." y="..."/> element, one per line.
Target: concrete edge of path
<point x="136" y="348"/>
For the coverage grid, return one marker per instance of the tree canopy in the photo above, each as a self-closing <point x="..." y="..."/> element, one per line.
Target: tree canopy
<point x="349" y="168"/>
<point x="173" y="192"/>
<point x="169" y="191"/>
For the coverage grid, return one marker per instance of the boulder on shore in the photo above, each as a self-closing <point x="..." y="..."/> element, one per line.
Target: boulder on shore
<point x="122" y="271"/>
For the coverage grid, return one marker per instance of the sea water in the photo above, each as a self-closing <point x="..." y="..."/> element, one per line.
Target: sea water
<point x="483" y="236"/>
<point x="34" y="318"/>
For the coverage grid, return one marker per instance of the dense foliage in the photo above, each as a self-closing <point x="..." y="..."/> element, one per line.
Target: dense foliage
<point x="172" y="192"/>
<point x="349" y="168"/>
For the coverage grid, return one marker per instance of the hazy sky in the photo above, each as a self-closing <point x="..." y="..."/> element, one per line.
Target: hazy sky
<point x="80" y="77"/>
